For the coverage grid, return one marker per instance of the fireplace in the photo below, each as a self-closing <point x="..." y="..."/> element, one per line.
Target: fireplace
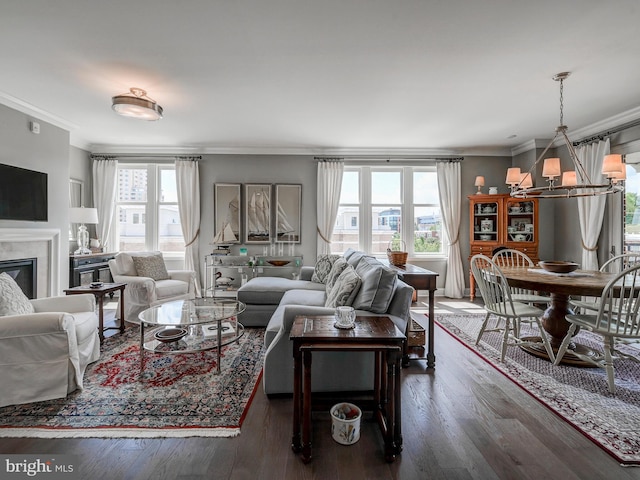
<point x="24" y="272"/>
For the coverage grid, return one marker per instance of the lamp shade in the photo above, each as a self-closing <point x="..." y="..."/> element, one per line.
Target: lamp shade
<point x="526" y="181"/>
<point x="569" y="178"/>
<point x="612" y="165"/>
<point x="83" y="215"/>
<point x="136" y="104"/>
<point x="479" y="181"/>
<point x="551" y="167"/>
<point x="513" y="176"/>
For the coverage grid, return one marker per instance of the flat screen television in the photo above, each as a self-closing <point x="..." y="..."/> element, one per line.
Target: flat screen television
<point x="23" y="194"/>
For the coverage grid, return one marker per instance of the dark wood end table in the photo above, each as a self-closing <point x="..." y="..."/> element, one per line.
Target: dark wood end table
<point x="99" y="293"/>
<point x="374" y="334"/>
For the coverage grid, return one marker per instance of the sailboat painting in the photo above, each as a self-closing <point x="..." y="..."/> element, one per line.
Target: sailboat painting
<point x="227" y="214"/>
<point x="288" y="213"/>
<point x="258" y="213"/>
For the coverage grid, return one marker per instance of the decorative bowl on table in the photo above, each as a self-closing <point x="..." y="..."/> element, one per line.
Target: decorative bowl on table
<point x="279" y="263"/>
<point x="172" y="334"/>
<point x="557" y="266"/>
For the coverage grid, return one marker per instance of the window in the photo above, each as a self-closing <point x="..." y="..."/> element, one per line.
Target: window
<point x="402" y="208"/>
<point x="632" y="204"/>
<point x="148" y="216"/>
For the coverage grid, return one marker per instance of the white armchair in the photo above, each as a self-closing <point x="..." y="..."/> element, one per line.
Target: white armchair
<point x="148" y="283"/>
<point x="43" y="355"/>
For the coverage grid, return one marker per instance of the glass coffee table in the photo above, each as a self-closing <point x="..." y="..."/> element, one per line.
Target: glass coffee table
<point x="188" y="326"/>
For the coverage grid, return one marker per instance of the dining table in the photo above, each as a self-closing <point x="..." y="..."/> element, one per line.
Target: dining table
<point x="561" y="287"/>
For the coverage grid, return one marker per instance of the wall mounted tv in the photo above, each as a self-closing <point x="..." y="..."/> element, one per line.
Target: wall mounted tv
<point x="23" y="194"/>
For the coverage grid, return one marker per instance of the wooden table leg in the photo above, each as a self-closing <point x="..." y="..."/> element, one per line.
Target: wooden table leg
<point x="122" y="309"/>
<point x="431" y="354"/>
<point x="306" y="413"/>
<point x="390" y="408"/>
<point x="296" y="444"/>
<point x="397" y="400"/>
<point x="100" y="300"/>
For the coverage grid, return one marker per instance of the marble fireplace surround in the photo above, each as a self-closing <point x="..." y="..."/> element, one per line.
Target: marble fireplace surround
<point x="40" y="243"/>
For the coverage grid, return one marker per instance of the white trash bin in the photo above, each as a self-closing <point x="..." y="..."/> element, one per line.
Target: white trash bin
<point x="345" y="423"/>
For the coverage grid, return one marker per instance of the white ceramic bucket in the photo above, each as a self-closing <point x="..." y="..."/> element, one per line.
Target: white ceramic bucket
<point x="345" y="431"/>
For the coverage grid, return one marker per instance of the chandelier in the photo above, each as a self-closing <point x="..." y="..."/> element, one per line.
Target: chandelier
<point x="573" y="183"/>
<point x="136" y="104"/>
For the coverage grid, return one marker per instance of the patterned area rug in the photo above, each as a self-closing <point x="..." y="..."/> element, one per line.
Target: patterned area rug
<point x="177" y="396"/>
<point x="578" y="395"/>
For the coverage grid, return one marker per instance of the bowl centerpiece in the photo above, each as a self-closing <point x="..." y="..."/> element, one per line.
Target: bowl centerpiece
<point x="279" y="263"/>
<point x="558" y="266"/>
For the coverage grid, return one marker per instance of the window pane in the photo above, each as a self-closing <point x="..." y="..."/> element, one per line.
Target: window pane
<point x="386" y="188"/>
<point x="385" y="226"/>
<point x="427" y="230"/>
<point x="346" y="231"/>
<point x="425" y="188"/>
<point x="632" y="209"/>
<point x="169" y="230"/>
<point x="132" y="183"/>
<point x="168" y="189"/>
<point x="131" y="234"/>
<point x="350" y="192"/>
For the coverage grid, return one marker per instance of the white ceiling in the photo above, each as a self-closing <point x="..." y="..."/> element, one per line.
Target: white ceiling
<point x="374" y="76"/>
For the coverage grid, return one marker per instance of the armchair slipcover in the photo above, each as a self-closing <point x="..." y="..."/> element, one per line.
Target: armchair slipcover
<point x="43" y="355"/>
<point x="144" y="292"/>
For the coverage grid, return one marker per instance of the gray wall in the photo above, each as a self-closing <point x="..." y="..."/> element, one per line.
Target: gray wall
<point x="46" y="152"/>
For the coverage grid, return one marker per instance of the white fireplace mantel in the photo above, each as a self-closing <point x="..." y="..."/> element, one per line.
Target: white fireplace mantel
<point x="49" y="235"/>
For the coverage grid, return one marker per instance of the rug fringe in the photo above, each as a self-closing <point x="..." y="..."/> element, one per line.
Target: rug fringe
<point x="221" y="432"/>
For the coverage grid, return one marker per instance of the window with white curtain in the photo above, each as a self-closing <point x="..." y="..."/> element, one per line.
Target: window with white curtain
<point x="147" y="210"/>
<point x="382" y="207"/>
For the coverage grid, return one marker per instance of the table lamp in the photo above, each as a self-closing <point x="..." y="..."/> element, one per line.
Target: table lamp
<point x="82" y="216"/>
<point x="479" y="183"/>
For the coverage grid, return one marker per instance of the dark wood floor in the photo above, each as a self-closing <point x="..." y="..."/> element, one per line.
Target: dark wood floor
<point x="461" y="421"/>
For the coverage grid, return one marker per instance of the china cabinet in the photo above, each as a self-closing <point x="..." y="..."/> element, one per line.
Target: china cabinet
<point x="500" y="220"/>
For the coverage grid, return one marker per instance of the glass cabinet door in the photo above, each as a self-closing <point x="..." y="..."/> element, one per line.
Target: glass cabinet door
<point x="520" y="220"/>
<point x="485" y="222"/>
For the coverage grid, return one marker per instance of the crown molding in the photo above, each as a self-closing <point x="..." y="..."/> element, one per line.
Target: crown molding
<point x="33" y="111"/>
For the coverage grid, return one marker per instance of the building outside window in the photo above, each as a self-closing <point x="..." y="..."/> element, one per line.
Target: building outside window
<point x="147" y="211"/>
<point x="403" y="211"/>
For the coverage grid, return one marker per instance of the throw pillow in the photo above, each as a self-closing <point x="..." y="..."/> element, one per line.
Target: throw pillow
<point x="323" y="267"/>
<point x="378" y="286"/>
<point x="344" y="290"/>
<point x="12" y="300"/>
<point x="338" y="267"/>
<point x="151" y="266"/>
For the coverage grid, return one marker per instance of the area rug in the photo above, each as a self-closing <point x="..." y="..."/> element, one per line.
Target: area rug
<point x="178" y="395"/>
<point x="578" y="395"/>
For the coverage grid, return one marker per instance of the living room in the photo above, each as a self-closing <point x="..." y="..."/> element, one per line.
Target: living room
<point x="262" y="127"/>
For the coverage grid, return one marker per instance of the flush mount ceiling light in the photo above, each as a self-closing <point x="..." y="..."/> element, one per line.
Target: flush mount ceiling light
<point x="136" y="104"/>
<point x="575" y="183"/>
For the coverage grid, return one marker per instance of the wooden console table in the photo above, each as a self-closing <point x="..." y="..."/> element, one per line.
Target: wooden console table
<point x="420" y="279"/>
<point x="374" y="334"/>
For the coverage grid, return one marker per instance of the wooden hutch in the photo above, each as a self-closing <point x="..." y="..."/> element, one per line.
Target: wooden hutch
<point x="502" y="221"/>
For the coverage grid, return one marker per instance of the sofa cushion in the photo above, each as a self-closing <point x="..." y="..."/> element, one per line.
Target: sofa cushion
<point x="124" y="261"/>
<point x="171" y="288"/>
<point x="377" y="288"/>
<point x="323" y="267"/>
<point x="355" y="258"/>
<point x="344" y="290"/>
<point x="12" y="300"/>
<point x="151" y="266"/>
<point x="338" y="267"/>
<point x="269" y="290"/>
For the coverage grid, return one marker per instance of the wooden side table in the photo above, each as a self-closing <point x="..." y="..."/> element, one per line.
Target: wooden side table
<point x="373" y="334"/>
<point x="99" y="293"/>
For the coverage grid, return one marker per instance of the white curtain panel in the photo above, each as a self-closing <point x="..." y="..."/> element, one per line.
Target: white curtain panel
<point x="188" y="183"/>
<point x="591" y="209"/>
<point x="449" y="191"/>
<point x="105" y="188"/>
<point x="329" y="186"/>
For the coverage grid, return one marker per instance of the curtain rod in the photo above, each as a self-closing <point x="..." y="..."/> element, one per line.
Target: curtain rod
<point x="147" y="157"/>
<point x="392" y="159"/>
<point x="602" y="135"/>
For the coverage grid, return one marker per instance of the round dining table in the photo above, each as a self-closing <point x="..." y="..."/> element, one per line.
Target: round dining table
<point x="561" y="287"/>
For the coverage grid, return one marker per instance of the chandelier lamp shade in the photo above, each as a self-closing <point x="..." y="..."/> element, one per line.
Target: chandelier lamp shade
<point x="572" y="183"/>
<point x="136" y="104"/>
<point x="82" y="216"/>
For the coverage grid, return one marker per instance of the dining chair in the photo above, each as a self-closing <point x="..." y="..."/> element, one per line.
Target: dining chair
<point x="498" y="301"/>
<point x="615" y="264"/>
<point x="515" y="258"/>
<point x="616" y="321"/>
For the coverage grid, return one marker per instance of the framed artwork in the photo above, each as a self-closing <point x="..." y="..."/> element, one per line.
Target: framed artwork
<point x="288" y="213"/>
<point x="257" y="214"/>
<point x="226" y="213"/>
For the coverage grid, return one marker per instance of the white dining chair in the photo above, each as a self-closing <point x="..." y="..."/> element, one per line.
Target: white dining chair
<point x="616" y="320"/>
<point x="499" y="302"/>
<point x="515" y="258"/>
